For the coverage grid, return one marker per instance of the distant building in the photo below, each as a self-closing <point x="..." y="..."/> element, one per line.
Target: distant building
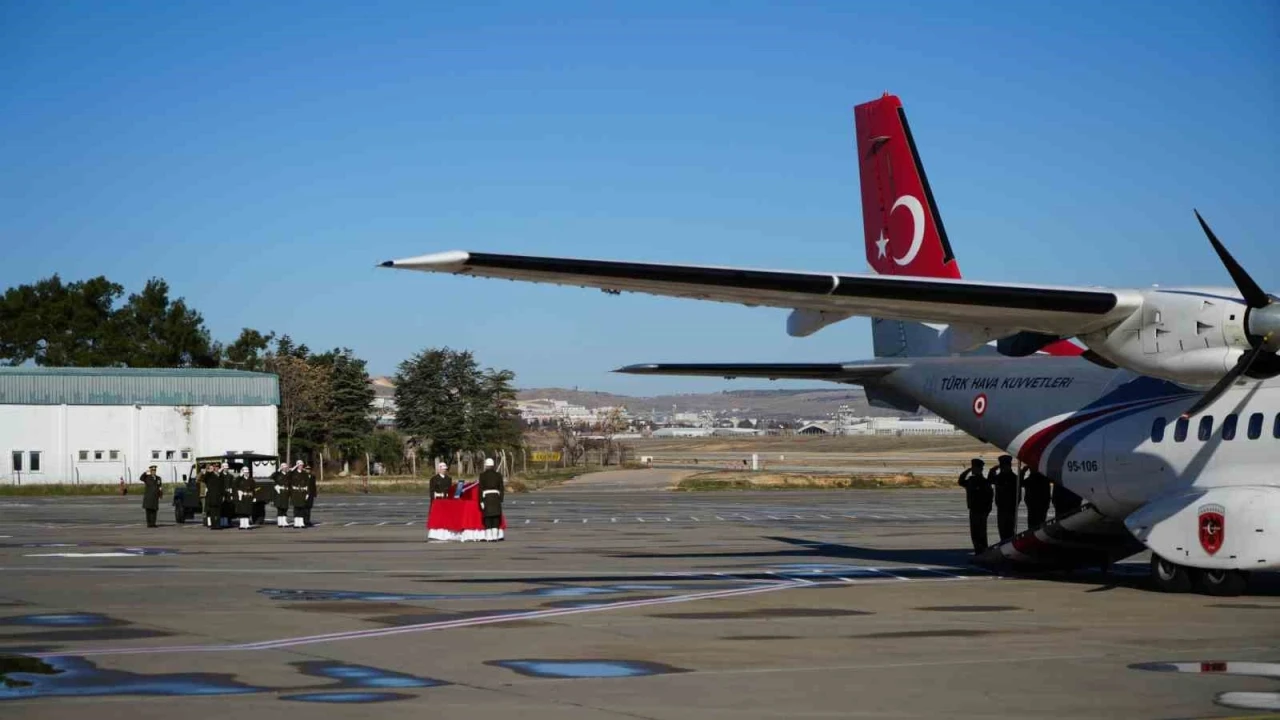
<point x="66" y="425"/>
<point x="384" y="402"/>
<point x="546" y="410"/>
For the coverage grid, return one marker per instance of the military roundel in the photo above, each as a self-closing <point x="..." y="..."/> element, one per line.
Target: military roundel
<point x="1212" y="527"/>
<point x="980" y="405"/>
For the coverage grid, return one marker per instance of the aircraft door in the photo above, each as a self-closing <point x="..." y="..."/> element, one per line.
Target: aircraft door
<point x="1136" y="468"/>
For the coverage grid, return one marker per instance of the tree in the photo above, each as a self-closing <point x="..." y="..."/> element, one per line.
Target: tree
<point x="347" y="422"/>
<point x="387" y="447"/>
<point x="447" y="403"/>
<point x="61" y="325"/>
<point x="304" y="393"/>
<point x="164" y="333"/>
<point x="249" y="351"/>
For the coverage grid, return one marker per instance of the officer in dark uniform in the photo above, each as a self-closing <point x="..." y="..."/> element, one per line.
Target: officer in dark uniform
<point x="977" y="495"/>
<point x="297" y="494"/>
<point x="310" y="479"/>
<point x="1035" y="493"/>
<point x="490" y="494"/>
<point x="243" y="497"/>
<point x="213" y="498"/>
<point x="1065" y="502"/>
<point x="1005" y="483"/>
<point x="151" y="494"/>
<point x="280" y="481"/>
<point x="440" y="485"/>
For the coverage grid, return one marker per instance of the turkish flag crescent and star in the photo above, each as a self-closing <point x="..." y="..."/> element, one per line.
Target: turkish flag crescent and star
<point x="1212" y="527"/>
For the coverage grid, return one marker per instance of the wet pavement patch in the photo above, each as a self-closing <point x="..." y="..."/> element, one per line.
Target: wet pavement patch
<point x="557" y="590"/>
<point x="562" y="669"/>
<point x="969" y="608"/>
<point x="91" y="634"/>
<point x="356" y="698"/>
<point x="763" y="613"/>
<point x="11" y="665"/>
<point x="907" y="634"/>
<point x="62" y="620"/>
<point x="76" y="677"/>
<point x="112" y="553"/>
<point x="346" y="608"/>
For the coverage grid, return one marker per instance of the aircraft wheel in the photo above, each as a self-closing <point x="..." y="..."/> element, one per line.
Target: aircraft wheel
<point x="1169" y="577"/>
<point x="1221" y="583"/>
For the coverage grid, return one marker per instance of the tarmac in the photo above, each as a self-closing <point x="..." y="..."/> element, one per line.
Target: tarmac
<point x="610" y="598"/>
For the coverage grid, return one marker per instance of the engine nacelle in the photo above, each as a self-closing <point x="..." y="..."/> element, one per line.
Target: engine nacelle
<point x="1223" y="528"/>
<point x="1191" y="337"/>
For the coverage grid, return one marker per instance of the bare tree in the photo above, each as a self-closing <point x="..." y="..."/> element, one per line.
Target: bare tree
<point x="304" y="391"/>
<point x="612" y="424"/>
<point x="571" y="447"/>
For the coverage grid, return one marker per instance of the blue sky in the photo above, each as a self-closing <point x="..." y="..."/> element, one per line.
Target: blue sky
<point x="263" y="157"/>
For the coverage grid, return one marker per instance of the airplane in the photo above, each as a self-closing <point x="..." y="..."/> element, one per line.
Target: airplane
<point x="1160" y="407"/>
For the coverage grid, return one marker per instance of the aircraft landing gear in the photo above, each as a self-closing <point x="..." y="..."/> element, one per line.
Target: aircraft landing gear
<point x="1169" y="577"/>
<point x="1222" y="583"/>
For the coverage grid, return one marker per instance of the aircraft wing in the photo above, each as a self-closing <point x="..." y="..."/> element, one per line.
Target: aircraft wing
<point x="849" y="373"/>
<point x="1063" y="311"/>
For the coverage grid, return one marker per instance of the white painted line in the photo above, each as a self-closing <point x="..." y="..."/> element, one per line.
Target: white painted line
<point x="640" y="519"/>
<point x="825" y="517"/>
<point x="526" y="521"/>
<point x="557" y="520"/>
<point x="613" y="519"/>
<point x="584" y="520"/>
<point x="719" y="518"/>
<point x="667" y="519"/>
<point x="694" y="519"/>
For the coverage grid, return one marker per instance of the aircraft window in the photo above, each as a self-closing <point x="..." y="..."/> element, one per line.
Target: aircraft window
<point x="1180" y="429"/>
<point x="1255" y="426"/>
<point x="1157" y="430"/>
<point x="1206" y="428"/>
<point x="1229" y="426"/>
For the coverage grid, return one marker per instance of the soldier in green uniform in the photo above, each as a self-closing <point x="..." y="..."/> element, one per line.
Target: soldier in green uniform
<point x="244" y="498"/>
<point x="1005" y="483"/>
<point x="298" y="494"/>
<point x="440" y="485"/>
<point x="281" y="481"/>
<point x="977" y="495"/>
<point x="151" y="494"/>
<point x="310" y="479"/>
<point x="212" y="497"/>
<point x="1036" y="494"/>
<point x="490" y="494"/>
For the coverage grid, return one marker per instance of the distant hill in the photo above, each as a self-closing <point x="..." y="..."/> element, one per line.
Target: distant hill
<point x="801" y="403"/>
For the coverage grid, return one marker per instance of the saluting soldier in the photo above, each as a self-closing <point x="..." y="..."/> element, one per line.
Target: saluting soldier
<point x="151" y="494"/>
<point x="310" y="479"/>
<point x="491" y="491"/>
<point x="1036" y="494"/>
<point x="977" y="495"/>
<point x="298" y="494"/>
<point x="440" y="485"/>
<point x="1005" y="482"/>
<point x="280" y="480"/>
<point x="244" y="498"/>
<point x="212" y="498"/>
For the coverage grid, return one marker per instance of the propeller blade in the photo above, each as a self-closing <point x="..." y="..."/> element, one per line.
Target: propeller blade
<point x="1241" y="367"/>
<point x="1253" y="295"/>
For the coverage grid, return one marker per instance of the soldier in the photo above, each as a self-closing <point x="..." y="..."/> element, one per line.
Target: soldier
<point x="440" y="485"/>
<point x="151" y="494"/>
<point x="1065" y="502"/>
<point x="310" y="479"/>
<point x="281" y="482"/>
<point x="490" y="494"/>
<point x="1035" y="489"/>
<point x="977" y="495"/>
<point x="228" y="495"/>
<point x="298" y="494"/>
<point x="212" y="498"/>
<point x="1005" y="483"/>
<point x="244" y="498"/>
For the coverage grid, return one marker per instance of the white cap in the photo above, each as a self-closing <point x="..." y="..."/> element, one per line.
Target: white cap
<point x="488" y="462"/>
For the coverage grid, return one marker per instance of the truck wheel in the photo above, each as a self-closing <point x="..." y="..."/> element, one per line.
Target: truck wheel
<point x="179" y="514"/>
<point x="1220" y="583"/>
<point x="1169" y="577"/>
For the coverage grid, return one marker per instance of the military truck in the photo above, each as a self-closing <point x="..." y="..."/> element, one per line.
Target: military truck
<point x="187" y="501"/>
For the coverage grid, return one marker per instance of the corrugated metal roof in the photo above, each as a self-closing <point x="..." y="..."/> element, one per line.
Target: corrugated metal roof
<point x="135" y="386"/>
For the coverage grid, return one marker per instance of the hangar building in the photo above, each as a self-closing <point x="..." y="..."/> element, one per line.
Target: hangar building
<point x="95" y="425"/>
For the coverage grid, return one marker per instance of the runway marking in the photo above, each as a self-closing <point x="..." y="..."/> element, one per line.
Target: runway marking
<point x="553" y="522"/>
<point x="427" y="627"/>
<point x="349" y="524"/>
<point x="384" y="522"/>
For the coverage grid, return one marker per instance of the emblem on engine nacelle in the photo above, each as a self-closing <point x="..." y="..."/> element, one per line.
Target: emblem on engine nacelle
<point x="1212" y="527"/>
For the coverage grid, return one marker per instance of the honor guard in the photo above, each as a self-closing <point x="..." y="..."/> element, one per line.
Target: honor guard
<point x="977" y="495"/>
<point x="244" y="498"/>
<point x="310" y="479"/>
<point x="151" y="494"/>
<point x="1036" y="494"/>
<point x="280" y="481"/>
<point x="297" y="494"/>
<point x="440" y="485"/>
<point x="212" y="497"/>
<point x="228" y="496"/>
<point x="1005" y="483"/>
<point x="490" y="487"/>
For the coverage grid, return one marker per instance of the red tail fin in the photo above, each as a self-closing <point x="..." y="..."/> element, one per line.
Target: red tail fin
<point x="904" y="231"/>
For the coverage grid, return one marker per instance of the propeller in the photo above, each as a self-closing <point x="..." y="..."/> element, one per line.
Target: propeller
<point x="1261" y="322"/>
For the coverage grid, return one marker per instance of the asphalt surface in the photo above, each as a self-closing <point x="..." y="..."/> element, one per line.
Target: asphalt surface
<point x="764" y="604"/>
